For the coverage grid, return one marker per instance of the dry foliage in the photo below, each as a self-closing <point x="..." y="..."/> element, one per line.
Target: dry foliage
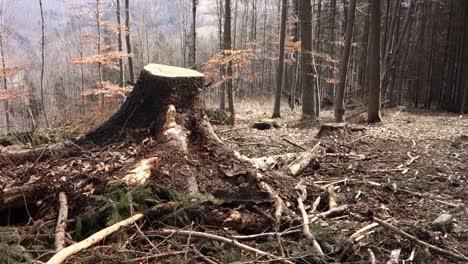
<point x="239" y="59"/>
<point x="107" y="59"/>
<point x="9" y="70"/>
<point x="7" y="96"/>
<point x="107" y="89"/>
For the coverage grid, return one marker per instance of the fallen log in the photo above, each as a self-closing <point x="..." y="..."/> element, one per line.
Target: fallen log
<point x="302" y="161"/>
<point x="30" y="154"/>
<point x="61" y="222"/>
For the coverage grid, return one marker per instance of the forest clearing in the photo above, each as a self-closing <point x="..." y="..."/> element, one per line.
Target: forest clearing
<point x="234" y="131"/>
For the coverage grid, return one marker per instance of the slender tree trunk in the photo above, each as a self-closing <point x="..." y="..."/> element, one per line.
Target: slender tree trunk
<point x="98" y="29"/>
<point x="228" y="47"/>
<point x="119" y="40"/>
<point x="428" y="95"/>
<point x="308" y="74"/>
<point x="264" y="50"/>
<point x="464" y="88"/>
<point x="364" y="55"/>
<point x="222" y="92"/>
<point x="319" y="49"/>
<point x="373" y="114"/>
<point x="443" y="90"/>
<point x="129" y="42"/>
<point x="279" y="78"/>
<point x="43" y="62"/>
<point x="340" y="93"/>
<point x="193" y="47"/>
<point x="5" y="84"/>
<point x="331" y="86"/>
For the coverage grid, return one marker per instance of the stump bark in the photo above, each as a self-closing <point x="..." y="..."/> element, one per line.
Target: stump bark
<point x="146" y="108"/>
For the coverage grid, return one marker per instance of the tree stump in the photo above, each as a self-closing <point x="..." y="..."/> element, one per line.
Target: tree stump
<point x="330" y="128"/>
<point x="185" y="154"/>
<point x="161" y="93"/>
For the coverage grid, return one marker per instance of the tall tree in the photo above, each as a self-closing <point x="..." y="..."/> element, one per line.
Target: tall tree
<point x="308" y="75"/>
<point x="98" y="28"/>
<point x="43" y="61"/>
<point x="340" y="93"/>
<point x="193" y="46"/>
<point x="227" y="49"/>
<point x="279" y="77"/>
<point x="120" y="44"/>
<point x="373" y="112"/>
<point x="129" y="42"/>
<point x="2" y="53"/>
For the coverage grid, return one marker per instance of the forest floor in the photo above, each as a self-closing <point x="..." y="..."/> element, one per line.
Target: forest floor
<point x="408" y="170"/>
<point x="411" y="168"/>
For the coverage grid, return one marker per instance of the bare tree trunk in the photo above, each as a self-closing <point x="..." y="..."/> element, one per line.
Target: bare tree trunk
<point x="264" y="54"/>
<point x="364" y="55"/>
<point x="279" y="78"/>
<point x="331" y="86"/>
<point x="373" y="114"/>
<point x="98" y="29"/>
<point x="43" y="62"/>
<point x="308" y="74"/>
<point x="319" y="50"/>
<point x="228" y="46"/>
<point x="193" y="47"/>
<point x="5" y="83"/>
<point x="222" y="92"/>
<point x="340" y="93"/>
<point x="129" y="43"/>
<point x="464" y="90"/>
<point x="119" y="40"/>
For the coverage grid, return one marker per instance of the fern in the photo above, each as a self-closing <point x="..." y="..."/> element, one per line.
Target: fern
<point x="122" y="202"/>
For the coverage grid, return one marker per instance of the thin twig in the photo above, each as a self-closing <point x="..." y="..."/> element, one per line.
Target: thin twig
<point x="305" y="227"/>
<point x="228" y="241"/>
<point x="419" y="242"/>
<point x="294" y="144"/>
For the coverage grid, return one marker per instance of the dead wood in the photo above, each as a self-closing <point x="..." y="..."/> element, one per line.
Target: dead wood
<point x="305" y="224"/>
<point x="30" y="154"/>
<point x="61" y="222"/>
<point x="142" y="171"/>
<point x="327" y="129"/>
<point x="372" y="256"/>
<point x="265" y="124"/>
<point x="302" y="161"/>
<point x="232" y="242"/>
<point x="419" y="242"/>
<point x="63" y="254"/>
<point x="276" y="161"/>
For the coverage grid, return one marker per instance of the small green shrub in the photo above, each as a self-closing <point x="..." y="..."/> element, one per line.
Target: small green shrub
<point x="218" y="117"/>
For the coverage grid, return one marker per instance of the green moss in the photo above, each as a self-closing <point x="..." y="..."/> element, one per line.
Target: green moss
<point x="40" y="137"/>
